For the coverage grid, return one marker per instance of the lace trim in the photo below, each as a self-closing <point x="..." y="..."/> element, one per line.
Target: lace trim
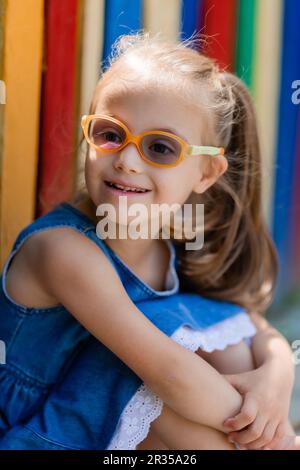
<point x="144" y="407"/>
<point x="219" y="336"/>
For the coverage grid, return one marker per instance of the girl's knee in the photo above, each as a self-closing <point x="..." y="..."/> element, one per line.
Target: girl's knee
<point x="179" y="433"/>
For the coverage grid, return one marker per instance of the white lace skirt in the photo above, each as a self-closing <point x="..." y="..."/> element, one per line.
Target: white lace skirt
<point x="144" y="407"/>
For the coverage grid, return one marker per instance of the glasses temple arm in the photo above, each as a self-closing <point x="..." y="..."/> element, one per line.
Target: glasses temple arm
<point x="205" y="150"/>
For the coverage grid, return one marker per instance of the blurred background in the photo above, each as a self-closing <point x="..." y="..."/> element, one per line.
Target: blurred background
<point x="51" y="56"/>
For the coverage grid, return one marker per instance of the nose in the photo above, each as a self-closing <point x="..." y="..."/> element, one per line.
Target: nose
<point x="129" y="160"/>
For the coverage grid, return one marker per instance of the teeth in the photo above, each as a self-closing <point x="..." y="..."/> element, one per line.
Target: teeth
<point x="126" y="188"/>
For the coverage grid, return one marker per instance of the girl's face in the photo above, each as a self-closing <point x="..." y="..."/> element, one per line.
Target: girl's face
<point x="144" y="112"/>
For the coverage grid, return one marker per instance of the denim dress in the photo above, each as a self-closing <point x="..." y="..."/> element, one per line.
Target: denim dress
<point x="61" y="388"/>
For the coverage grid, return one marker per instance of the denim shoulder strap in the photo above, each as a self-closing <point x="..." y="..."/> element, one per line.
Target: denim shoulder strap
<point x="63" y="215"/>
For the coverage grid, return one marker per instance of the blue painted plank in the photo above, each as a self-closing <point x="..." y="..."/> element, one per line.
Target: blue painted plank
<point x="287" y="132"/>
<point x="191" y="17"/>
<point x="121" y="17"/>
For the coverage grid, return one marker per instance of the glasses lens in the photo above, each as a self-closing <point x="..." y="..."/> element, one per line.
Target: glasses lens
<point x="161" y="149"/>
<point x="106" y="134"/>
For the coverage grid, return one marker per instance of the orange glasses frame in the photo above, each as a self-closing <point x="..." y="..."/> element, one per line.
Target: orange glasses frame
<point x="136" y="139"/>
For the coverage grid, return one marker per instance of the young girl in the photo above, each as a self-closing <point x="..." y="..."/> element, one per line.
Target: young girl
<point x="94" y="337"/>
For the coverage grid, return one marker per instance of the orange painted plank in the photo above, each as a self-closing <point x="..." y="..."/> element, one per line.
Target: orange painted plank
<point x="2" y="88"/>
<point x="23" y="41"/>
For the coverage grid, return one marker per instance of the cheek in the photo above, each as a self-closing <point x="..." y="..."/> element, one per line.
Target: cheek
<point x="176" y="185"/>
<point x="95" y="166"/>
<point x="90" y="175"/>
<point x="94" y="171"/>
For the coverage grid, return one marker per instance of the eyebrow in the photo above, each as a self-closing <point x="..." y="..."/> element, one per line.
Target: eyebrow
<point x="173" y="131"/>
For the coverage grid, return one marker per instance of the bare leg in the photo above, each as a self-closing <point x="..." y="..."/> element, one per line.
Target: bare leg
<point x="172" y="431"/>
<point x="152" y="442"/>
<point x="177" y="433"/>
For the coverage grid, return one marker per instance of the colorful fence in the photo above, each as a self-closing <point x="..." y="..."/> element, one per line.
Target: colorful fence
<point x="51" y="52"/>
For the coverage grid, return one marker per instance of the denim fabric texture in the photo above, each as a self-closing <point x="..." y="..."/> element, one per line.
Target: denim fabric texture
<point x="60" y="388"/>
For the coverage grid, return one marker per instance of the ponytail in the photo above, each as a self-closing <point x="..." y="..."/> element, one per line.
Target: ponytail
<point x="238" y="261"/>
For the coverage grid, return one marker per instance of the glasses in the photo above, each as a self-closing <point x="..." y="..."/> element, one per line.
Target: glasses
<point x="158" y="148"/>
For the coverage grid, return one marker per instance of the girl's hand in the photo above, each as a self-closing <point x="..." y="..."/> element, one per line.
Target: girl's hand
<point x="287" y="443"/>
<point x="262" y="420"/>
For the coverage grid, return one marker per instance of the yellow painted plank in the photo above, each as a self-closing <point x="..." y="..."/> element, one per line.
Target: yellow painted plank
<point x="268" y="39"/>
<point x="23" y="45"/>
<point x="162" y="16"/>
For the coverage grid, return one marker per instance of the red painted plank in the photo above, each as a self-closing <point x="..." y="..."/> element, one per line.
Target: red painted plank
<point x="220" y="27"/>
<point x="59" y="104"/>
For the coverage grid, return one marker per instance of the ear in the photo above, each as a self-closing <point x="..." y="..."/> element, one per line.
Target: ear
<point x="211" y="171"/>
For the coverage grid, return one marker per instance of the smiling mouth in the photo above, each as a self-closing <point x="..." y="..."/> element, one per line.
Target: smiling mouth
<point x="126" y="189"/>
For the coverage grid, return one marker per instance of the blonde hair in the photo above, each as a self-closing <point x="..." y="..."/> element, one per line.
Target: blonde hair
<point x="238" y="261"/>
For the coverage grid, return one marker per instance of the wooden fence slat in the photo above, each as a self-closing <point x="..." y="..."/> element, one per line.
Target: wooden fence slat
<point x="23" y="47"/>
<point x="265" y="83"/>
<point x="57" y="164"/>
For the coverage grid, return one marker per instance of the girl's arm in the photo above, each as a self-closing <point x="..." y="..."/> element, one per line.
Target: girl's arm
<point x="73" y="270"/>
<point x="270" y="386"/>
<point x="269" y="346"/>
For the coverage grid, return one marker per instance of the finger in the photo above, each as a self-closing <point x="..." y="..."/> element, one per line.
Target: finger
<point x="235" y="381"/>
<point x="276" y="442"/>
<point x="266" y="437"/>
<point x="246" y="415"/>
<point x="251" y="433"/>
<point x="287" y="443"/>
